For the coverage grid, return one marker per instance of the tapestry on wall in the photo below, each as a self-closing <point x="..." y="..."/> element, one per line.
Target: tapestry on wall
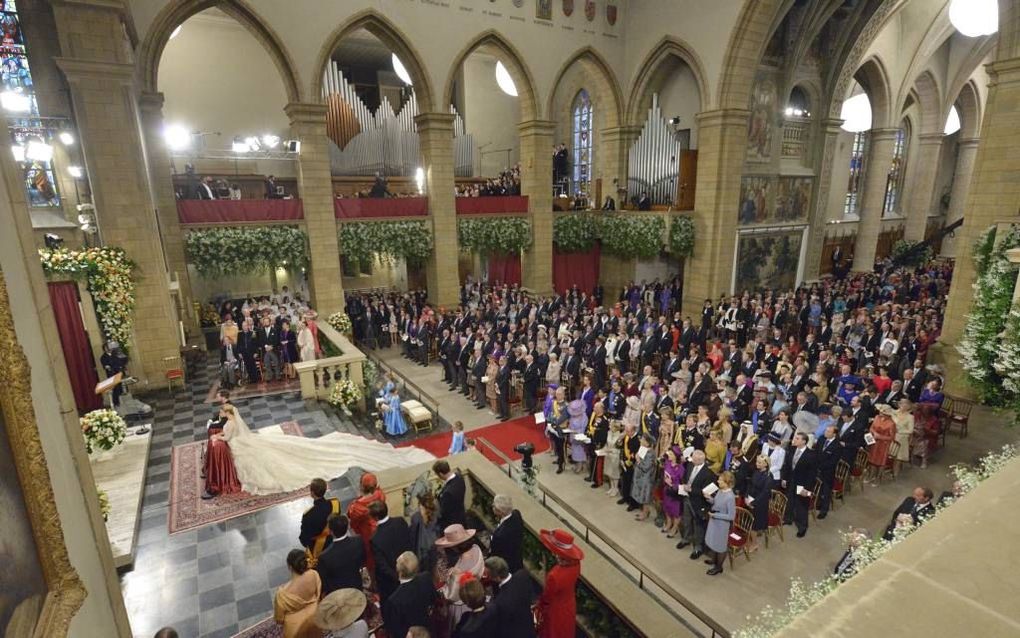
<point x="768" y="260"/>
<point x="761" y="124"/>
<point x="793" y="199"/>
<point x="755" y="201"/>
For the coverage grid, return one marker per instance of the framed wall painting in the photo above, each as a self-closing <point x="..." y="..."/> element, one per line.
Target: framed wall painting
<point x="793" y="199"/>
<point x="39" y="589"/>
<point x="761" y="125"/>
<point x="756" y="205"/>
<point x="769" y="259"/>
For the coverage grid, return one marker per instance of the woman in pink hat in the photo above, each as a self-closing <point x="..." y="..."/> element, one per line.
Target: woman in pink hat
<point x="557" y="604"/>
<point x="462" y="556"/>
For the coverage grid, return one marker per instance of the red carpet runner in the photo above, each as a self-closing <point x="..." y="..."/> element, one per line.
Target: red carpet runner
<point x="502" y="436"/>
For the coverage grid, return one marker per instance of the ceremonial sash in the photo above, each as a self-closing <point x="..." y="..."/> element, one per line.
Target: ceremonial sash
<point x="319" y="542"/>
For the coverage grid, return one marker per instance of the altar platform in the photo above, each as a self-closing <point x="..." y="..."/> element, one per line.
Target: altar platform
<point x="121" y="474"/>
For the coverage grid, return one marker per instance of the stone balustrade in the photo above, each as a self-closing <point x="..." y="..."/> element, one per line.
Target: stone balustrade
<point x="349" y="363"/>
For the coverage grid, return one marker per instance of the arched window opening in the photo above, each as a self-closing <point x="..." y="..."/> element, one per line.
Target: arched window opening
<point x="582" y="146"/>
<point x="798" y="105"/>
<point x="858" y="151"/>
<point x="897" y="172"/>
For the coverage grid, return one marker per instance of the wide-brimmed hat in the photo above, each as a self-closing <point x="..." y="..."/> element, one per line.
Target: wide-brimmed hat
<point x="455" y="535"/>
<point x="633" y="402"/>
<point x="340" y="609"/>
<point x="561" y="543"/>
<point x="884" y="408"/>
<point x="577" y="407"/>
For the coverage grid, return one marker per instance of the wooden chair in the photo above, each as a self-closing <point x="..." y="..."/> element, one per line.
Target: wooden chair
<point x="740" y="534"/>
<point x="173" y="371"/>
<point x="841" y="483"/>
<point x="894" y="449"/>
<point x="813" y="499"/>
<point x="959" y="415"/>
<point x="858" y="470"/>
<point x="777" y="512"/>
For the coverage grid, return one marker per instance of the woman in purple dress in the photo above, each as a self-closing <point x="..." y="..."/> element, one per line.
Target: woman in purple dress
<point x="577" y="423"/>
<point x="672" y="478"/>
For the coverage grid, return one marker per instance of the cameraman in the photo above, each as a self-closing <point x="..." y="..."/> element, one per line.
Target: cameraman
<point x="114" y="361"/>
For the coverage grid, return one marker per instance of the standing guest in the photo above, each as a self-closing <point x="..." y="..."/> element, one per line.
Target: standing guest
<point x="288" y="350"/>
<point x="315" y="535"/>
<point x="720" y="517"/>
<point x="297" y="600"/>
<point x="451" y="495"/>
<point x="459" y="555"/>
<point x="532" y="378"/>
<point x="507" y="540"/>
<point x="903" y="417"/>
<point x="776" y="456"/>
<point x="394" y="419"/>
<point x="339" y="614"/>
<point x="556" y="416"/>
<point x="480" y="620"/>
<point x="672" y="478"/>
<point x="503" y="389"/>
<point x="360" y="520"/>
<point x="829" y="455"/>
<point x="698" y="476"/>
<point x="558" y="603"/>
<point x="391" y="539"/>
<point x="644" y="479"/>
<point x="800" y="473"/>
<point x="883" y="429"/>
<point x="759" y="492"/>
<point x="425" y="530"/>
<point x="340" y="565"/>
<point x="491" y="388"/>
<point x="916" y="508"/>
<point x="268" y="341"/>
<point x="411" y="601"/>
<point x="597" y="433"/>
<point x="577" y="424"/>
<point x="611" y="473"/>
<point x="629" y="446"/>
<point x="715" y="450"/>
<point x="305" y="342"/>
<point x="457" y="442"/>
<point x="512" y="600"/>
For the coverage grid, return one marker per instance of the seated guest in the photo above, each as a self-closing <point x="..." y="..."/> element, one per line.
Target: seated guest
<point x="339" y="614"/>
<point x="512" y="600"/>
<point x="391" y="539"/>
<point x="411" y="601"/>
<point x="315" y="535"/>
<point x="340" y="565"/>
<point x="459" y="554"/>
<point x="558" y="603"/>
<point x="480" y="620"/>
<point x="914" y="509"/>
<point x="298" y="599"/>
<point x="451" y="495"/>
<point x="508" y="538"/>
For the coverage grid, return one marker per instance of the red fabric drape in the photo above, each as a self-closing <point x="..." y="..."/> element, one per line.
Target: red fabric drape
<point x="492" y="205"/>
<point x="354" y="208"/>
<point x="74" y="342"/>
<point x="221" y="211"/>
<point x="580" y="269"/>
<point x="505" y="268"/>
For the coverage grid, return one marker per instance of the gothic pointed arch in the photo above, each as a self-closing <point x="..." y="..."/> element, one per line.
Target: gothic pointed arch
<point x="493" y="43"/>
<point x="968" y="103"/>
<point x="929" y="103"/>
<point x="653" y="71"/>
<point x="604" y="84"/>
<point x="150" y="51"/>
<point x="377" y="24"/>
<point x="873" y="78"/>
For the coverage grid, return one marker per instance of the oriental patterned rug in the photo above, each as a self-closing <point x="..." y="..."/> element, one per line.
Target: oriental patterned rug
<point x="188" y="510"/>
<point x="265" y="629"/>
<point x="260" y="389"/>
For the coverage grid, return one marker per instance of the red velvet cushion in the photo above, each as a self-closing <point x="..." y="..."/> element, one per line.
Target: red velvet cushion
<point x="774" y="520"/>
<point x="837" y="486"/>
<point x="856" y="472"/>
<point x="174" y="374"/>
<point x="737" y="542"/>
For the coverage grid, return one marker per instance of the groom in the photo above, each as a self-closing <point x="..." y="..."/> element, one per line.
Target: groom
<point x="315" y="535"/>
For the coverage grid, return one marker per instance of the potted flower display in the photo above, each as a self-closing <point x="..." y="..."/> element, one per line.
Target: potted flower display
<point x="344" y="395"/>
<point x="341" y="322"/>
<point x="103" y="430"/>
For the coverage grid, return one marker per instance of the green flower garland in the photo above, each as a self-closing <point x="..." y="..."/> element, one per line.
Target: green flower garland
<point x="1007" y="364"/>
<point x="495" y="235"/>
<point x="408" y="240"/>
<point x="246" y="249"/>
<point x="631" y="236"/>
<point x="993" y="297"/>
<point x="681" y="237"/>
<point x="108" y="274"/>
<point x="903" y="246"/>
<point x="575" y="232"/>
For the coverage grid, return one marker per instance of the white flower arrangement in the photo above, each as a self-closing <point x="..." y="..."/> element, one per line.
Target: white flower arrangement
<point x="345" y="393"/>
<point x="103" y="430"/>
<point x="104" y="504"/>
<point x="215" y="252"/>
<point x="340" y="322"/>
<point x="772" y="620"/>
<point x="108" y="274"/>
<point x="1007" y="364"/>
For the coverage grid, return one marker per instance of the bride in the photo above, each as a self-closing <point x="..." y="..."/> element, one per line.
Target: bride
<point x="271" y="462"/>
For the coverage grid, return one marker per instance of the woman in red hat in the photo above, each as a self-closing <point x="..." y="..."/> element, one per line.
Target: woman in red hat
<point x="357" y="512"/>
<point x="557" y="604"/>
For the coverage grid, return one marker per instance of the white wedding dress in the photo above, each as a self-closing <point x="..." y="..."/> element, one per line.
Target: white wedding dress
<point x="273" y="462"/>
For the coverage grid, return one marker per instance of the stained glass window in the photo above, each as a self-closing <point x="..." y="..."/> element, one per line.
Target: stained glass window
<point x="582" y="143"/>
<point x="894" y="181"/>
<point x="31" y="137"/>
<point x="858" y="151"/>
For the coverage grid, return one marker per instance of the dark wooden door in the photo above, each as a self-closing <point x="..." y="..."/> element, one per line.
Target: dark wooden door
<point x="688" y="176"/>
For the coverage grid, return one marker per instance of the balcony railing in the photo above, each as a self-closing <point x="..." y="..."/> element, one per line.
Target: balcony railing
<point x="795" y="139"/>
<point x="233" y="211"/>
<point x="317" y="377"/>
<point x="380" y="207"/>
<point x="498" y="205"/>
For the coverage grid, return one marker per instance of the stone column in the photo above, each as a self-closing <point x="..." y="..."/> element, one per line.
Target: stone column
<point x="315" y="186"/>
<point x="830" y="129"/>
<point x="992" y="196"/>
<point x="965" y="156"/>
<point x="160" y="178"/>
<point x="105" y="106"/>
<point x="435" y="135"/>
<point x="880" y="153"/>
<point x="536" y="183"/>
<point x="722" y="147"/>
<point x="614" y="161"/>
<point x="922" y="192"/>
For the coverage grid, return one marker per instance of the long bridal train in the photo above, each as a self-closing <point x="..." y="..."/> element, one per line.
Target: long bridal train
<point x="270" y="462"/>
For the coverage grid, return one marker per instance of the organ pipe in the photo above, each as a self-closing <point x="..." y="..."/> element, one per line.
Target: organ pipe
<point x="654" y="158"/>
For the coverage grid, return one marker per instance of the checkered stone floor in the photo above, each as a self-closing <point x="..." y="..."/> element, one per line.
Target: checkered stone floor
<point x="216" y="580"/>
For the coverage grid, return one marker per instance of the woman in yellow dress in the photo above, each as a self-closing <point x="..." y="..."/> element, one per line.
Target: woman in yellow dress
<point x="297" y="600"/>
<point x="715" y="450"/>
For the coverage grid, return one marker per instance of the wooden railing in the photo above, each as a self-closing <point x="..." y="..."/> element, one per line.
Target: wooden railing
<point x="349" y="363"/>
<point x="795" y="139"/>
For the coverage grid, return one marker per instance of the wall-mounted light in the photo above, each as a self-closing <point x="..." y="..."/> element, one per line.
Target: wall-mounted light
<point x="239" y="146"/>
<point x="177" y="137"/>
<point x="270" y="141"/>
<point x="75" y="171"/>
<point x="292" y="146"/>
<point x="66" y="138"/>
